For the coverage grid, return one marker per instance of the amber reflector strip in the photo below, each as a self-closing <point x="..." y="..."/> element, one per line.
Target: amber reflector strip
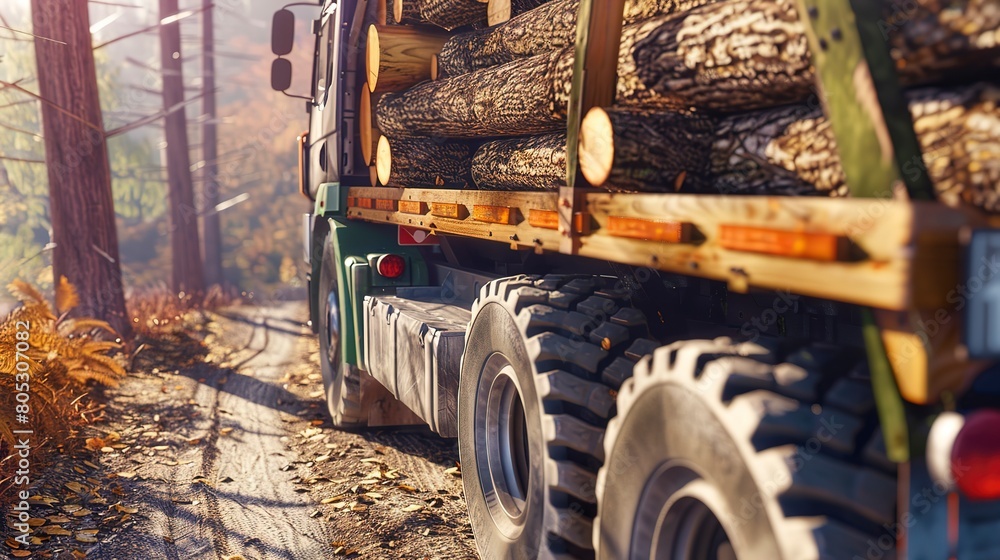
<point x="650" y="230"/>
<point x="412" y="207"/>
<point x="383" y="204"/>
<point x="352" y="201"/>
<point x="545" y="219"/>
<point x="446" y="210"/>
<point x="798" y="244"/>
<point x="491" y="214"/>
<point x="366" y="203"/>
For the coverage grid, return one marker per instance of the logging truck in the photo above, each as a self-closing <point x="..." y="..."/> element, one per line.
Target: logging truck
<point x="686" y="279"/>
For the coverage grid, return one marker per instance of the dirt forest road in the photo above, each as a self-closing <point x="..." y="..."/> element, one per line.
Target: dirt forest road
<point x="234" y="458"/>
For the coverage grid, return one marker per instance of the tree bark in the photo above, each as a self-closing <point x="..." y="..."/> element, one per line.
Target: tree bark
<point x="943" y="40"/>
<point x="424" y="162"/>
<point x="734" y="55"/>
<point x="407" y="12"/>
<point x="188" y="275"/>
<point x="535" y="163"/>
<point x="399" y="57"/>
<point x="524" y="97"/>
<point x="452" y="14"/>
<point x="638" y="150"/>
<point x="548" y="28"/>
<point x="500" y="11"/>
<point x="210" y="152"/>
<point x="751" y="54"/>
<point x="792" y="151"/>
<point x="80" y="198"/>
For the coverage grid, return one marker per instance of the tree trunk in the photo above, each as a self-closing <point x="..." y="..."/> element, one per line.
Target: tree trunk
<point x="399" y="57"/>
<point x="734" y="55"/>
<point x="548" y="28"/>
<point x="636" y="150"/>
<point x="792" y="151"/>
<point x="80" y="198"/>
<point x="424" y="162"/>
<point x="515" y="99"/>
<point x="943" y="40"/>
<point x="500" y="11"/>
<point x="535" y="163"/>
<point x="210" y="152"/>
<point x="452" y="14"/>
<point x="186" y="255"/>
<point x="407" y="12"/>
<point x="750" y="54"/>
<point x="367" y="129"/>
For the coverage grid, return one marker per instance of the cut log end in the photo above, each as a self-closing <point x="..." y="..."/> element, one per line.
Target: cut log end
<point x="373" y="58"/>
<point x="435" y="70"/>
<point x="383" y="161"/>
<point x="597" y="149"/>
<point x="366" y="129"/>
<point x="498" y="11"/>
<point x="374" y="175"/>
<point x="397" y="11"/>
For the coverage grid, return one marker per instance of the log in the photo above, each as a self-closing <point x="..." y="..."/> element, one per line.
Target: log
<point x="500" y="11"/>
<point x="749" y="54"/>
<point x="452" y="14"/>
<point x="543" y="30"/>
<point x="734" y="55"/>
<point x="381" y="12"/>
<point x="943" y="40"/>
<point x="535" y="163"/>
<point x="792" y="151"/>
<point x="641" y="150"/>
<point x="406" y="12"/>
<point x="373" y="175"/>
<point x="525" y="97"/>
<point x="399" y="57"/>
<point x="367" y="129"/>
<point x="424" y="162"/>
<point x="548" y="27"/>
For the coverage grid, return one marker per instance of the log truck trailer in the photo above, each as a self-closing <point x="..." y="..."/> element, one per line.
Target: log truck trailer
<point x="663" y="374"/>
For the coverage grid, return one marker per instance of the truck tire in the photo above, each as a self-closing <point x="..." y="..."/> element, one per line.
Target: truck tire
<point x="735" y="451"/>
<point x="341" y="381"/>
<point x="537" y="388"/>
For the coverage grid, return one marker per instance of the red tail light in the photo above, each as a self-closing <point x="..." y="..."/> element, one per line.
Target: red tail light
<point x="975" y="458"/>
<point x="391" y="266"/>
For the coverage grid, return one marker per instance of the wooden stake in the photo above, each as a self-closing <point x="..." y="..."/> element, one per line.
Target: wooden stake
<point x="399" y="57"/>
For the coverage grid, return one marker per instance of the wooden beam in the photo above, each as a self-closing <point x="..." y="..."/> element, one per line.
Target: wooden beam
<point x="595" y="78"/>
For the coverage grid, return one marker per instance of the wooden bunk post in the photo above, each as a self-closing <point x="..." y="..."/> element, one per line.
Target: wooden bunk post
<point x="595" y="75"/>
<point x="860" y="92"/>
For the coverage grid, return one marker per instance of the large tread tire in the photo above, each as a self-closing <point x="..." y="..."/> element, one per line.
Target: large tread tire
<point x="342" y="382"/>
<point x="560" y="336"/>
<point x="781" y="445"/>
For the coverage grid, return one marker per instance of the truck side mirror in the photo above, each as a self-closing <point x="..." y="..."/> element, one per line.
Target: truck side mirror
<point x="282" y="32"/>
<point x="281" y="74"/>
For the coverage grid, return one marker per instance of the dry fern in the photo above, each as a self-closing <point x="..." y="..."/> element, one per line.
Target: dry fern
<point x="62" y="357"/>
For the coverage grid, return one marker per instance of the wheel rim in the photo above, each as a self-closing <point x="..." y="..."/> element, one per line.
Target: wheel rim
<point x="332" y="333"/>
<point x="674" y="521"/>
<point x="502" y="456"/>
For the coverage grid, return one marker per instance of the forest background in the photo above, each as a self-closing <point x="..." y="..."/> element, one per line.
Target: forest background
<point x="260" y="207"/>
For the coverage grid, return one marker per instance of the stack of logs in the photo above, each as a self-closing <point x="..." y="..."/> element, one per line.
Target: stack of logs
<point x="712" y="97"/>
